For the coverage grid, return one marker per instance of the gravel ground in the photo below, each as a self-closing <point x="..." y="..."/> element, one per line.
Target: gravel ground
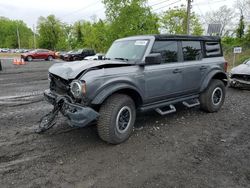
<point x="189" y="148"/>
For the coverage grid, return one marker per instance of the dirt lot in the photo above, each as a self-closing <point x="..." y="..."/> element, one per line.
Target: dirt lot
<point x="187" y="149"/>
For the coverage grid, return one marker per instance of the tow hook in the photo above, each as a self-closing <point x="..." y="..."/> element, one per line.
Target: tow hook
<point x="48" y="120"/>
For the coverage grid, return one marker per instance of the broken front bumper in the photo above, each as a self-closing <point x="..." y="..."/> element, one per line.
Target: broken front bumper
<point x="237" y="82"/>
<point x="77" y="115"/>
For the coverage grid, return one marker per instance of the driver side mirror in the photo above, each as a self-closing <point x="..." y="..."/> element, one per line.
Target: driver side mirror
<point x="152" y="59"/>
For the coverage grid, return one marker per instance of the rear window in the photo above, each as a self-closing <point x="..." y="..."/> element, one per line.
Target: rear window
<point x="191" y="50"/>
<point x="212" y="49"/>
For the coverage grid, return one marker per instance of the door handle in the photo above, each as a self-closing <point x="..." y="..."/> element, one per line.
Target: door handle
<point x="177" y="71"/>
<point x="203" y="68"/>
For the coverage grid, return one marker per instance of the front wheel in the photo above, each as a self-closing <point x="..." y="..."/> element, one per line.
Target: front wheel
<point x="213" y="97"/>
<point x="117" y="118"/>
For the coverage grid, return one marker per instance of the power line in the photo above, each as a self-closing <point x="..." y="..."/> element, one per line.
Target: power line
<point x="167" y="5"/>
<point x="78" y="10"/>
<point x="211" y="2"/>
<point x="159" y="3"/>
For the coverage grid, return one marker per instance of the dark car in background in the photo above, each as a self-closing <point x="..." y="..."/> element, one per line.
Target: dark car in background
<point x="39" y="54"/>
<point x="77" y="55"/>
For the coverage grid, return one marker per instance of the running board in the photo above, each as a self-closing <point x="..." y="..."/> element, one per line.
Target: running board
<point x="171" y="110"/>
<point x="196" y="103"/>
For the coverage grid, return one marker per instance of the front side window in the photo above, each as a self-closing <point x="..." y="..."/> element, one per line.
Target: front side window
<point x="167" y="49"/>
<point x="191" y="50"/>
<point x="127" y="50"/>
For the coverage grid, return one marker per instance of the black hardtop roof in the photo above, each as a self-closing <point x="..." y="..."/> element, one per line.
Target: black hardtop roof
<point x="186" y="37"/>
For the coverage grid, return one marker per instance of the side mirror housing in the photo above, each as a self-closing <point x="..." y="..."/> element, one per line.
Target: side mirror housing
<point x="154" y="58"/>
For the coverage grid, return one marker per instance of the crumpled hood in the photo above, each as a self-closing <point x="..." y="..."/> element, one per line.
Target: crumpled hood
<point x="69" y="70"/>
<point x="241" y="69"/>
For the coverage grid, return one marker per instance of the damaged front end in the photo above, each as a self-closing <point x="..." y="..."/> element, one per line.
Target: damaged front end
<point x="240" y="80"/>
<point x="77" y="115"/>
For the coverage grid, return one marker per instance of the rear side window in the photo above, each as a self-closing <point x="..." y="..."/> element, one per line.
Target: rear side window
<point x="191" y="50"/>
<point x="212" y="49"/>
<point x="167" y="49"/>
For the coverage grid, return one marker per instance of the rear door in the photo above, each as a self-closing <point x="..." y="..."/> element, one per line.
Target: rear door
<point x="192" y="66"/>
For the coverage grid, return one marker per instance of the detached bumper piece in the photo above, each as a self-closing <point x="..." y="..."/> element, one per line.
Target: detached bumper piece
<point x="77" y="115"/>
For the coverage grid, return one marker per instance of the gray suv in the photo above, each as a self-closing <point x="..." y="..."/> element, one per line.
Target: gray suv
<point x="139" y="73"/>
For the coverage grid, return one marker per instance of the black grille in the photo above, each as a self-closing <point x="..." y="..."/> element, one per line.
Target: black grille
<point x="243" y="77"/>
<point x="58" y="84"/>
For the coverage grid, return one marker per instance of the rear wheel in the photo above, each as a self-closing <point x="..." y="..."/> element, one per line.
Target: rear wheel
<point x="50" y="58"/>
<point x="117" y="118"/>
<point x="213" y="97"/>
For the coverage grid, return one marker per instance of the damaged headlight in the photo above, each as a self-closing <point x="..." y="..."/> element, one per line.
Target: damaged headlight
<point x="78" y="88"/>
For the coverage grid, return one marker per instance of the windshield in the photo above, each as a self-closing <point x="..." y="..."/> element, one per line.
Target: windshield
<point x="127" y="50"/>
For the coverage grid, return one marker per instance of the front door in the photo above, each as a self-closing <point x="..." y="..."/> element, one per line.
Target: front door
<point x="163" y="80"/>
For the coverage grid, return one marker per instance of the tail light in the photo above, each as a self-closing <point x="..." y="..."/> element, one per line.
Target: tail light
<point x="225" y="66"/>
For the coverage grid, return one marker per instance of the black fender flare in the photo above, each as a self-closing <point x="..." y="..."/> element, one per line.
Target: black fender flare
<point x="111" y="88"/>
<point x="214" y="74"/>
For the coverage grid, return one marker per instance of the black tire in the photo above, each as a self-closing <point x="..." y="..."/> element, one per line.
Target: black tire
<point x="50" y="58"/>
<point x="213" y="97"/>
<point x="29" y="58"/>
<point x="109" y="127"/>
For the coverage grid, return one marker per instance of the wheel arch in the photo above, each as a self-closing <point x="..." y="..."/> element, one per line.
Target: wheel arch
<point x="118" y="88"/>
<point x="217" y="74"/>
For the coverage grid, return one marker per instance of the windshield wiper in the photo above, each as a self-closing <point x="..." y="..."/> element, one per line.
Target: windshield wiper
<point x="120" y="58"/>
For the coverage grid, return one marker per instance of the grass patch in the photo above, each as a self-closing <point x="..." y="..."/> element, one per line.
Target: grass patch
<point x="10" y="55"/>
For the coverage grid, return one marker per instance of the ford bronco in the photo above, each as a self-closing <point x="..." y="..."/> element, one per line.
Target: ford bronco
<point x="139" y="73"/>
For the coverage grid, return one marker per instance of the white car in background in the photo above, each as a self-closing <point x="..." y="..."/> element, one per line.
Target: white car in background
<point x="94" y="57"/>
<point x="240" y="75"/>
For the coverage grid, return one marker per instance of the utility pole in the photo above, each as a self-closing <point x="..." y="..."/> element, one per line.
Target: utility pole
<point x="188" y="15"/>
<point x="18" y="37"/>
<point x="34" y="36"/>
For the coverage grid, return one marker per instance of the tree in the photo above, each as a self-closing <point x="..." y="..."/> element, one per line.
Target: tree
<point x="8" y="33"/>
<point x="130" y="17"/>
<point x="223" y="16"/>
<point x="51" y="33"/>
<point x="174" y="22"/>
<point x="241" y="27"/>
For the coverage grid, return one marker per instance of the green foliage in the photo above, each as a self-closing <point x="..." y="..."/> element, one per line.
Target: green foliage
<point x="175" y="20"/>
<point x="241" y="27"/>
<point x="130" y="17"/>
<point x="51" y="33"/>
<point x="8" y="34"/>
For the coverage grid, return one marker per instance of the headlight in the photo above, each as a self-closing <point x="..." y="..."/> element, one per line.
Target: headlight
<point x="78" y="88"/>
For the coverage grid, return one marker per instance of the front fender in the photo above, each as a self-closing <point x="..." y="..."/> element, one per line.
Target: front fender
<point x="112" y="88"/>
<point x="214" y="74"/>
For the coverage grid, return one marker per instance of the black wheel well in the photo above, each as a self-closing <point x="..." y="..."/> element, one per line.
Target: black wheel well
<point x="131" y="93"/>
<point x="222" y="77"/>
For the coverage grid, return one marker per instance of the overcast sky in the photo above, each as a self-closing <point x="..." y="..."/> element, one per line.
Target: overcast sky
<point x="73" y="10"/>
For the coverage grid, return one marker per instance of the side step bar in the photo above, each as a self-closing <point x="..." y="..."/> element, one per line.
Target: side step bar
<point x="171" y="110"/>
<point x="196" y="102"/>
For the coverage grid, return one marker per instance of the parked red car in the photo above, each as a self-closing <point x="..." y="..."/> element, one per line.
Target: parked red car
<point x="39" y="54"/>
